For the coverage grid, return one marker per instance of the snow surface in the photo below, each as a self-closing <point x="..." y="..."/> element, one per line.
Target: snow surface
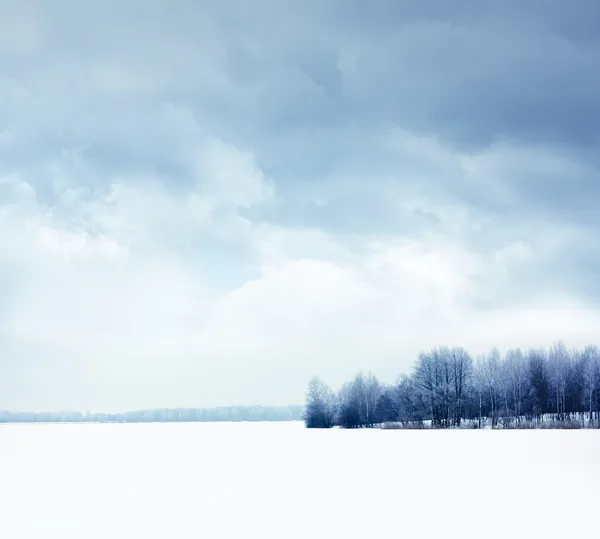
<point x="278" y="481"/>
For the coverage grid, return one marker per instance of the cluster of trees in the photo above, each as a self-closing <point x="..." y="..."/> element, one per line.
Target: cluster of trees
<point x="447" y="388"/>
<point x="226" y="413"/>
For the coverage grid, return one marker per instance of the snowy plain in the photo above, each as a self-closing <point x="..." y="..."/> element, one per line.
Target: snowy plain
<point x="278" y="481"/>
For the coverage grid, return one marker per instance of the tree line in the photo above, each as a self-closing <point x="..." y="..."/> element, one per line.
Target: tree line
<point x="224" y="413"/>
<point x="448" y="389"/>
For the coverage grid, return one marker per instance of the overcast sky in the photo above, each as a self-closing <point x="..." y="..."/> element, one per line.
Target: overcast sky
<point x="206" y="202"/>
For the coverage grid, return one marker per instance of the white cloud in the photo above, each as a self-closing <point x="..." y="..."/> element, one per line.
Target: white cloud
<point x="212" y="214"/>
<point x="113" y="289"/>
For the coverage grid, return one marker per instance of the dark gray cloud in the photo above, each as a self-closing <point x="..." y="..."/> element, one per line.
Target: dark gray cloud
<point x="290" y="83"/>
<point x="470" y="72"/>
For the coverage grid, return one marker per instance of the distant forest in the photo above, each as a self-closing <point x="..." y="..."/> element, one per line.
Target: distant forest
<point x="228" y="413"/>
<point x="554" y="388"/>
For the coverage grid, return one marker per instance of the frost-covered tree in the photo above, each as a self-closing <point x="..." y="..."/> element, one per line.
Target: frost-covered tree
<point x="358" y="401"/>
<point x="428" y="378"/>
<point x="320" y="409"/>
<point x="412" y="401"/>
<point x="516" y="381"/>
<point x="539" y="382"/>
<point x="446" y="387"/>
<point x="559" y="364"/>
<point x="490" y="375"/>
<point x="387" y="409"/>
<point x="592" y="382"/>
<point x="462" y="378"/>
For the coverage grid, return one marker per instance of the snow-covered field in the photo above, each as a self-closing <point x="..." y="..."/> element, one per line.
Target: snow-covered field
<point x="279" y="481"/>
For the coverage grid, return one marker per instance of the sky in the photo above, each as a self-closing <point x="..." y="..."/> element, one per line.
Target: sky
<point x="205" y="203"/>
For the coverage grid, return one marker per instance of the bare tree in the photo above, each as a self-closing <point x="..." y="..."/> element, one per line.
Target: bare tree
<point x="348" y="407"/>
<point x="558" y="369"/>
<point x="372" y="390"/>
<point x="462" y="373"/>
<point x="447" y="387"/>
<point x="413" y="404"/>
<point x="388" y="408"/>
<point x="320" y="405"/>
<point x="428" y="379"/>
<point x="490" y="371"/>
<point x="444" y="358"/>
<point x="358" y="401"/>
<point x="592" y="382"/>
<point x="539" y="382"/>
<point x="517" y="380"/>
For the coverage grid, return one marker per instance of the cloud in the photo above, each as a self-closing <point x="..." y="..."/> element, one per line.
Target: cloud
<point x="206" y="204"/>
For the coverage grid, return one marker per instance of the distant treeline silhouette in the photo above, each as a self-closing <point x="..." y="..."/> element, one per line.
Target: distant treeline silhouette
<point x="447" y="389"/>
<point x="225" y="413"/>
